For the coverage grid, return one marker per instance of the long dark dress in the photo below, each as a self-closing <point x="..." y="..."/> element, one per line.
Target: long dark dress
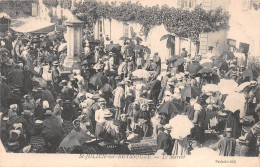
<point x="227" y="146"/>
<point x="28" y="85"/>
<point x="164" y="141"/>
<point x="233" y="122"/>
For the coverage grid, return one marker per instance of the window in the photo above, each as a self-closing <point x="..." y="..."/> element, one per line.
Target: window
<point x="100" y="28"/>
<point x="126" y="30"/>
<point x="186" y="3"/>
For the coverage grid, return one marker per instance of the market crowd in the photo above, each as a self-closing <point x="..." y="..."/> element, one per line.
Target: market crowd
<point x="120" y="95"/>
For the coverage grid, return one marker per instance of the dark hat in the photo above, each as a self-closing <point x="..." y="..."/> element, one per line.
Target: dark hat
<point x="117" y="122"/>
<point x="210" y="47"/>
<point x="156" y="53"/>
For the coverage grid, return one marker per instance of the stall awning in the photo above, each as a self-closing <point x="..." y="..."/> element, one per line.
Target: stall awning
<point x="46" y="30"/>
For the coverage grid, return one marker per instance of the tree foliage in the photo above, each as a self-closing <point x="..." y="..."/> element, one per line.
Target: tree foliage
<point x="50" y="3"/>
<point x="183" y="23"/>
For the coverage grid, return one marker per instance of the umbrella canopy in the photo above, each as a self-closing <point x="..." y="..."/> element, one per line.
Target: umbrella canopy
<point x="62" y="47"/>
<point x="139" y="47"/>
<point x="140" y="73"/>
<point x="220" y="64"/>
<point x="166" y="37"/>
<point x="113" y="48"/>
<point x="190" y="91"/>
<point x="243" y="86"/>
<point x="205" y="61"/>
<point x="54" y="35"/>
<point x="95" y="42"/>
<point x="227" y="86"/>
<point x="247" y="73"/>
<point x="98" y="80"/>
<point x="194" y="68"/>
<point x="235" y="101"/>
<point x="207" y="65"/>
<point x="106" y="88"/>
<point x="74" y="139"/>
<point x="174" y="58"/>
<point x="181" y="126"/>
<point x="25" y="39"/>
<point x="5" y="15"/>
<point x="35" y="40"/>
<point x="227" y="55"/>
<point x="171" y="108"/>
<point x="124" y="38"/>
<point x="2" y="50"/>
<point x="179" y="62"/>
<point x="205" y="70"/>
<point x="210" y="88"/>
<point x="137" y="38"/>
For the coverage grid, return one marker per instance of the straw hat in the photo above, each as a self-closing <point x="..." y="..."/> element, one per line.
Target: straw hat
<point x="107" y="113"/>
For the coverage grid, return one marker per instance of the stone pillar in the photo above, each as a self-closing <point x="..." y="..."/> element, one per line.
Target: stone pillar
<point x="74" y="42"/>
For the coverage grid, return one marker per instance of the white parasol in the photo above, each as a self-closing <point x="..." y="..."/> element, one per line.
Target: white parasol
<point x="141" y="73"/>
<point x="62" y="47"/>
<point x="181" y="126"/>
<point x="210" y="88"/>
<point x="235" y="101"/>
<point x="5" y="15"/>
<point x="205" y="61"/>
<point x="227" y="86"/>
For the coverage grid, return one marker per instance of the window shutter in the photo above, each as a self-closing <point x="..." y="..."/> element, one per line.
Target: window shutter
<point x="244" y="4"/>
<point x="179" y="3"/>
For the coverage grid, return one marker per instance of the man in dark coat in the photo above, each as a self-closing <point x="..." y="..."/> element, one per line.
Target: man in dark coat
<point x="47" y="95"/>
<point x="4" y="91"/>
<point x="52" y="132"/>
<point x="16" y="77"/>
<point x="164" y="140"/>
<point x="67" y="93"/>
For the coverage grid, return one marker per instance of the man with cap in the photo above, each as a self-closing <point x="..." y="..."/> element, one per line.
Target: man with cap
<point x="12" y="112"/>
<point x="198" y="121"/>
<point x="52" y="132"/>
<point x="226" y="145"/>
<point x="5" y="90"/>
<point x="145" y="116"/>
<point x="29" y="103"/>
<point x="119" y="99"/>
<point x="184" y="53"/>
<point x="25" y="120"/>
<point x="210" y="53"/>
<point x="58" y="110"/>
<point x="232" y="73"/>
<point x="55" y="74"/>
<point x="100" y="117"/>
<point x="164" y="140"/>
<point x="16" y="77"/>
<point x="67" y="93"/>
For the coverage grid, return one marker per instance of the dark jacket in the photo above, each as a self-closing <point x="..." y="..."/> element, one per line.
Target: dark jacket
<point x="52" y="129"/>
<point x="164" y="141"/>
